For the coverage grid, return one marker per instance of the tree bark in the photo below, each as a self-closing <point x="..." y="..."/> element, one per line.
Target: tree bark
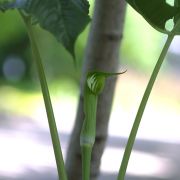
<point x="102" y="54"/>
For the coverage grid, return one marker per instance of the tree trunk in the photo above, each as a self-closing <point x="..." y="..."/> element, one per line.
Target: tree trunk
<point x="102" y="54"/>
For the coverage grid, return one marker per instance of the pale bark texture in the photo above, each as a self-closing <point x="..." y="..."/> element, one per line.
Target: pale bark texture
<point x="102" y="54"/>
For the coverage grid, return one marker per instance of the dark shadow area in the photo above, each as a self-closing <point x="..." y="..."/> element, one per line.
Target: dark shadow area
<point x="148" y="146"/>
<point x="30" y="174"/>
<point x="113" y="176"/>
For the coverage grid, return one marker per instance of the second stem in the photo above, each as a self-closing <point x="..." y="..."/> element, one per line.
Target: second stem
<point x="132" y="136"/>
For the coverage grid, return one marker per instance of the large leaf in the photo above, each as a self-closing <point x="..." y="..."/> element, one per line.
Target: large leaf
<point x="65" y="19"/>
<point x="156" y="12"/>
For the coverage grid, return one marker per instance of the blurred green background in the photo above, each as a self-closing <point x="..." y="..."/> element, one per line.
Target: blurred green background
<point x="137" y="51"/>
<point x="21" y="100"/>
<point x="140" y="48"/>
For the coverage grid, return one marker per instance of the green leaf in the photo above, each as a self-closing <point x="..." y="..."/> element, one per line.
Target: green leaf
<point x="156" y="12"/>
<point x="177" y="3"/>
<point x="65" y="19"/>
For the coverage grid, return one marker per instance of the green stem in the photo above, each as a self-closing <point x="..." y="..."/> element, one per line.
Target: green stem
<point x="47" y="101"/>
<point x="88" y="132"/>
<point x="132" y="136"/>
<point x="86" y="152"/>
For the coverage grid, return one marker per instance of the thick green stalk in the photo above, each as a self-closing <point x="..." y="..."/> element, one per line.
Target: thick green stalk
<point x="86" y="161"/>
<point x="132" y="136"/>
<point x="47" y="101"/>
<point x="88" y="132"/>
<point x="94" y="85"/>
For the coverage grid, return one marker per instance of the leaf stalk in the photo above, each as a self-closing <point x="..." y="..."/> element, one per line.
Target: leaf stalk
<point x="135" y="127"/>
<point x="47" y="100"/>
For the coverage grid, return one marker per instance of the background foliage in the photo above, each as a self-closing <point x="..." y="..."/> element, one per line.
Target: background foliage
<point x="58" y="62"/>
